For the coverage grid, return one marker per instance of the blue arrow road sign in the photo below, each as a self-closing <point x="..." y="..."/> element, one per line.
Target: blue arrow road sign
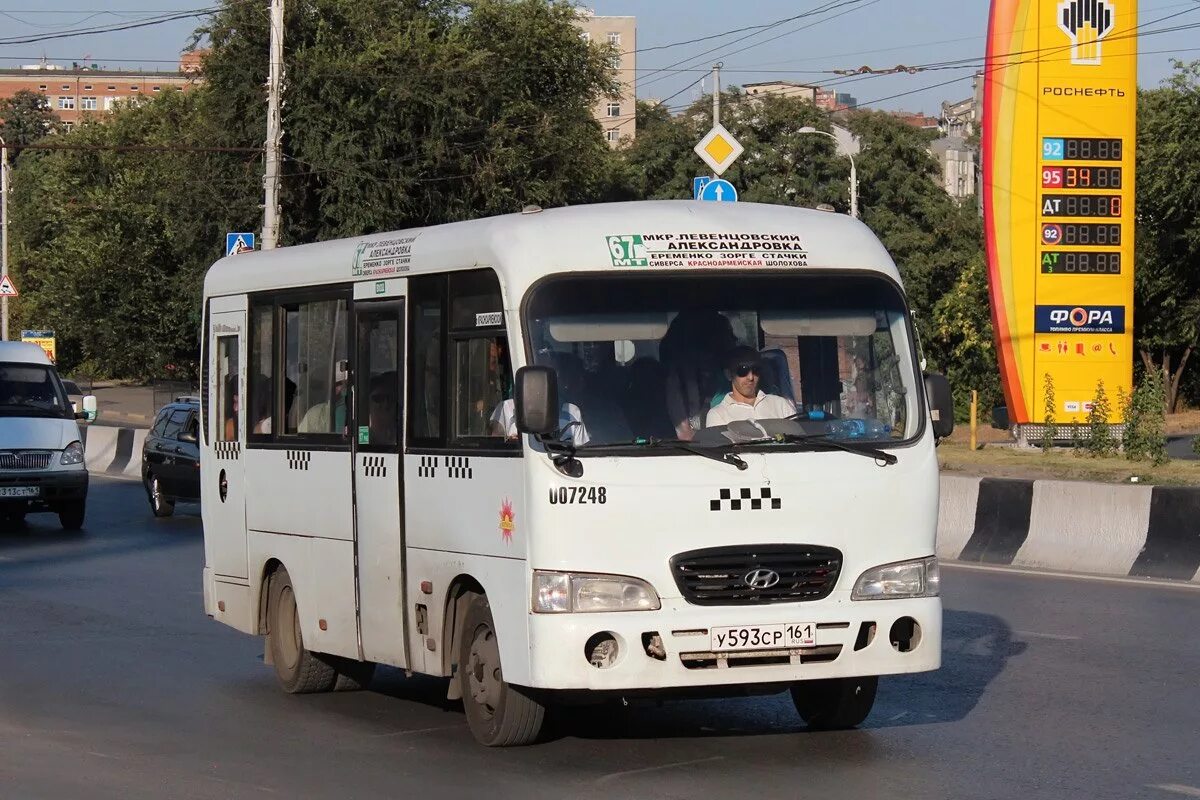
<point x="719" y="190"/>
<point x="238" y="243"/>
<point x="698" y="185"/>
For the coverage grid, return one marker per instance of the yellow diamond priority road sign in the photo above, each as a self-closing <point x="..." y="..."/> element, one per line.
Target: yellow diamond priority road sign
<point x="719" y="149"/>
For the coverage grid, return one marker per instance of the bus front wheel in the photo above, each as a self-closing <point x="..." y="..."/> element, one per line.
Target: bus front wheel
<point x="835" y="703"/>
<point x="298" y="670"/>
<point x="498" y="714"/>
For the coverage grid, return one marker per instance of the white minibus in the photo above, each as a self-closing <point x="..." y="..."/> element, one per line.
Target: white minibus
<point x="589" y="452"/>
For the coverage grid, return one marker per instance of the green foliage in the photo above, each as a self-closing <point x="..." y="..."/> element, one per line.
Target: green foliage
<point x="1051" y="409"/>
<point x="1167" y="281"/>
<point x="1145" y="436"/>
<point x="962" y="338"/>
<point x="1100" y="441"/>
<point x="415" y="113"/>
<point x="111" y="246"/>
<point x="26" y="117"/>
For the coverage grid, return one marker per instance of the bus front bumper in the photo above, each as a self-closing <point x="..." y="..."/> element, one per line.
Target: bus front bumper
<point x="674" y="648"/>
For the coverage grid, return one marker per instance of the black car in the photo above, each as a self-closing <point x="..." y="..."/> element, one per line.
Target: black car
<point x="171" y="456"/>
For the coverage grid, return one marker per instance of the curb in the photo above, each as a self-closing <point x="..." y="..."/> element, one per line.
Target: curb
<point x="1136" y="531"/>
<point x="113" y="451"/>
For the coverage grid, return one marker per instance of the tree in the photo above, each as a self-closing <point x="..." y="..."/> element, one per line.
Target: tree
<point x="1167" y="275"/>
<point x="781" y="165"/>
<point x="26" y="117"/>
<point x="111" y="245"/>
<point x="961" y="343"/>
<point x="418" y="112"/>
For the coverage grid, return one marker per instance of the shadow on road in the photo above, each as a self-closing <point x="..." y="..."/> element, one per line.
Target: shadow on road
<point x="975" y="650"/>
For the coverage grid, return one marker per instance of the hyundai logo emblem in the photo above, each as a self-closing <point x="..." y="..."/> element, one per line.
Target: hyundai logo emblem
<point x="761" y="578"/>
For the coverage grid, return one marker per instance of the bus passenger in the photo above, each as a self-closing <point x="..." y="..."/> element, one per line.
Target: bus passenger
<point x="691" y="353"/>
<point x="745" y="400"/>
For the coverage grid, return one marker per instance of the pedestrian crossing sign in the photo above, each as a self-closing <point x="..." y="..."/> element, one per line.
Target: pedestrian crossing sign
<point x="238" y="243"/>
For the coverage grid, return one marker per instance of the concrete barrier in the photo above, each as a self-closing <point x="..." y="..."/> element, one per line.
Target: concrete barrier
<point x="1145" y="531"/>
<point x="113" y="451"/>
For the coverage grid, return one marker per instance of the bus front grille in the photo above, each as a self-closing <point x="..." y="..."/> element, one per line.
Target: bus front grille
<point x="756" y="574"/>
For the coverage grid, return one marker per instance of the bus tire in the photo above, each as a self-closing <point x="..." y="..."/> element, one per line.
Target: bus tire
<point x="498" y="714"/>
<point x="835" y="703"/>
<point x="298" y="670"/>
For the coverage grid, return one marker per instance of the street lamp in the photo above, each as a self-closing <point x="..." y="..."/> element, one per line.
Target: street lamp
<point x="853" y="171"/>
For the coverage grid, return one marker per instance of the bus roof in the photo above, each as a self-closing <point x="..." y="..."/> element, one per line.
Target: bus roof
<point x="658" y="234"/>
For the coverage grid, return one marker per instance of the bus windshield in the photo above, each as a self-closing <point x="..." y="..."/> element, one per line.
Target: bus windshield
<point x="667" y="356"/>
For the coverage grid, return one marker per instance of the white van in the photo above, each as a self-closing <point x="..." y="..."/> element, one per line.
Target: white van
<point x="41" y="451"/>
<point x="507" y="451"/>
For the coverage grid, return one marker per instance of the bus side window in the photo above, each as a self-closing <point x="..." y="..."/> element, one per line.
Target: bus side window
<point x="481" y="367"/>
<point x="427" y="295"/>
<point x="262" y="399"/>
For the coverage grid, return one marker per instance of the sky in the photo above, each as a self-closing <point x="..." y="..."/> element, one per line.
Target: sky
<point x="875" y="33"/>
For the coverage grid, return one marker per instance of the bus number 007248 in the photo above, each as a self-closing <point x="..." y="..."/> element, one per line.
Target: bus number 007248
<point x="578" y="495"/>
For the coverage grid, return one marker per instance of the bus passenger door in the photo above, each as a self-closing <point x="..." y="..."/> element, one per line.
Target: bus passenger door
<point x="377" y="438"/>
<point x="223" y="494"/>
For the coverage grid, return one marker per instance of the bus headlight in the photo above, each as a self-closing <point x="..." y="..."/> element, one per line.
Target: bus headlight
<point x="917" y="578"/>
<point x="72" y="454"/>
<point x="567" y="592"/>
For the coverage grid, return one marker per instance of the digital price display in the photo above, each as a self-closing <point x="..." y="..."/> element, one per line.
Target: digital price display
<point x="1082" y="149"/>
<point x="1081" y="177"/>
<point x="1065" y="262"/>
<point x="1081" y="205"/>
<point x="1090" y="233"/>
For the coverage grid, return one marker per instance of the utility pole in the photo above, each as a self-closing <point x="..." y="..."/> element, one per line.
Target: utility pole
<point x="3" y="235"/>
<point x="716" y="95"/>
<point x="271" y="211"/>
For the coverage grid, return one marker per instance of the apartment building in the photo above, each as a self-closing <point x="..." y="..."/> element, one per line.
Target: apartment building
<point x="80" y="90"/>
<point x="616" y="113"/>
<point x="800" y="91"/>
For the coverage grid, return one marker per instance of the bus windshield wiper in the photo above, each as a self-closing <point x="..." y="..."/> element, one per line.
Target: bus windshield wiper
<point x="722" y="454"/>
<point x="823" y="440"/>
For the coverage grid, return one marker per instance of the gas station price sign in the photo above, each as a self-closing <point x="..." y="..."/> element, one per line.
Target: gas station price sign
<point x="1059" y="140"/>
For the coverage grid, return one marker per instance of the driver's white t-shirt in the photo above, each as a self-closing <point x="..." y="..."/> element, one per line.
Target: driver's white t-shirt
<point x="505" y="416"/>
<point x="766" y="406"/>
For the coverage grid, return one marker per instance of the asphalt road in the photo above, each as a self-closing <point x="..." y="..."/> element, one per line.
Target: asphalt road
<point x="113" y="684"/>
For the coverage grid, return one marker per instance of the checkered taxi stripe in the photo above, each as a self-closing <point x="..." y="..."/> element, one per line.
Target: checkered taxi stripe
<point x="373" y="467"/>
<point x="428" y="467"/>
<point x="299" y="459"/>
<point x="227" y="451"/>
<point x="745" y="500"/>
<point x="458" y="467"/>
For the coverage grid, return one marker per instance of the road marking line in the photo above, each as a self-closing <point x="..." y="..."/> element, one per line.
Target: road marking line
<point x="416" y="730"/>
<point x="1058" y="637"/>
<point x="617" y="775"/>
<point x="1187" y="791"/>
<point x="1073" y="575"/>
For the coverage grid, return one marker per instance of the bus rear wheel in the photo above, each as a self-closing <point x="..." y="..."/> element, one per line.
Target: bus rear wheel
<point x="298" y="670"/>
<point x="498" y="714"/>
<point x="835" y="703"/>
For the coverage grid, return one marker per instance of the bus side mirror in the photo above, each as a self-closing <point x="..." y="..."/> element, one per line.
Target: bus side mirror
<point x="941" y="404"/>
<point x="89" y="409"/>
<point x="536" y="400"/>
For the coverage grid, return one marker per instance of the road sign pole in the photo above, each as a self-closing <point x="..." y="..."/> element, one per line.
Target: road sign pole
<point x="716" y="99"/>
<point x="3" y="235"/>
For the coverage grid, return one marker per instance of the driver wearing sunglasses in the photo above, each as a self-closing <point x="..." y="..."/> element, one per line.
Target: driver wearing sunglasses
<point x="746" y="401"/>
